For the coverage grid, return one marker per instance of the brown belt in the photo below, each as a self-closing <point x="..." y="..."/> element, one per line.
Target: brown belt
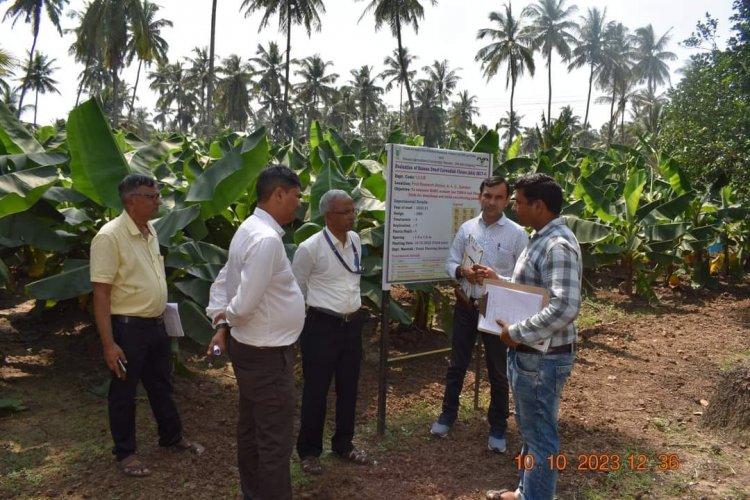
<point x="559" y="349"/>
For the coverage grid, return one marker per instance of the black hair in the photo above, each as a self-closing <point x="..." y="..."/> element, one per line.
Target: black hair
<point x="542" y="187"/>
<point x="495" y="180"/>
<point x="131" y="182"/>
<point x="272" y="177"/>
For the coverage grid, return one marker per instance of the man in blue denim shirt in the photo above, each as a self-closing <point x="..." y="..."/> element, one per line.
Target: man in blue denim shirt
<point x="501" y="241"/>
<point x="552" y="260"/>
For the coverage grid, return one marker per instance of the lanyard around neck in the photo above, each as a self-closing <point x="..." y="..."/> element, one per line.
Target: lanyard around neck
<point x="357" y="269"/>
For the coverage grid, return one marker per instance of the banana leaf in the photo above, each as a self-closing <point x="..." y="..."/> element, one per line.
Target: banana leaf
<point x="587" y="231"/>
<point x="14" y="138"/>
<point x="75" y="280"/>
<point x="175" y="221"/>
<point x="226" y="180"/>
<point x="195" y="324"/>
<point x="96" y="163"/>
<point x="329" y="177"/>
<point x="488" y="143"/>
<point x="196" y="289"/>
<point x="19" y="191"/>
<point x="305" y="231"/>
<point x="26" y="228"/>
<point x="632" y="193"/>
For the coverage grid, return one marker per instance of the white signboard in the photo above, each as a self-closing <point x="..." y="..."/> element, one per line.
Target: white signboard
<point x="431" y="192"/>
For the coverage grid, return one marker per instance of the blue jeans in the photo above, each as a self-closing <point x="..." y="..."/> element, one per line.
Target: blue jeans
<point x="537" y="382"/>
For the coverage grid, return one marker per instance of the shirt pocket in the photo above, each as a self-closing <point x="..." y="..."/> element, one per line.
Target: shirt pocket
<point x="504" y="259"/>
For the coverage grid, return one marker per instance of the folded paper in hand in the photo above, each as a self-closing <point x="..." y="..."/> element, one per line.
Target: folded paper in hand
<point x="511" y="303"/>
<point x="172" y="320"/>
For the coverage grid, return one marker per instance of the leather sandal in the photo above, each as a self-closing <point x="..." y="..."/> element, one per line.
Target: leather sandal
<point x="356" y="456"/>
<point x="187" y="445"/>
<point x="311" y="465"/>
<point x="133" y="467"/>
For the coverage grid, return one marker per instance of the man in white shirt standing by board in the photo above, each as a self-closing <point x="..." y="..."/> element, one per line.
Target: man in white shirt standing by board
<point x="497" y="242"/>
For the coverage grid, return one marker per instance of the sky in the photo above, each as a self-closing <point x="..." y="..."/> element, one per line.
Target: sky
<point x="448" y="31"/>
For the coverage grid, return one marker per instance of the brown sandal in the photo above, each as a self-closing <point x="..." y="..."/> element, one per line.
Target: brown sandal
<point x="356" y="456"/>
<point x="133" y="467"/>
<point x="311" y="465"/>
<point x="191" y="446"/>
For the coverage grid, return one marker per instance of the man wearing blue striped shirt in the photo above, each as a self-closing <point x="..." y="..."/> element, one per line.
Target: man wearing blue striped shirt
<point x="552" y="260"/>
<point x="500" y="242"/>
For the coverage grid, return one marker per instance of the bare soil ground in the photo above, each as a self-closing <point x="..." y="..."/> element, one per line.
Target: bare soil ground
<point x="643" y="378"/>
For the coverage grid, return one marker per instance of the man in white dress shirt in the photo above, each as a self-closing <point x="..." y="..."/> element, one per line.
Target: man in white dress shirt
<point x="328" y="268"/>
<point x="257" y="298"/>
<point x="500" y="242"/>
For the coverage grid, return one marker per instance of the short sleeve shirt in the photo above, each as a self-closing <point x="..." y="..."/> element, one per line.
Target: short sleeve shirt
<point x="132" y="264"/>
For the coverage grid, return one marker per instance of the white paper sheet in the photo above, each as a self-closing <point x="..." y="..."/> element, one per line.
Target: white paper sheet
<point x="510" y="306"/>
<point x="172" y="320"/>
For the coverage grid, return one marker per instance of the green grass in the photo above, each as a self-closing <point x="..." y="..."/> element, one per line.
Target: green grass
<point x="594" y="312"/>
<point x="732" y="360"/>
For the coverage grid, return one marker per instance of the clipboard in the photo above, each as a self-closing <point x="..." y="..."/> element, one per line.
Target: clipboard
<point x="519" y="302"/>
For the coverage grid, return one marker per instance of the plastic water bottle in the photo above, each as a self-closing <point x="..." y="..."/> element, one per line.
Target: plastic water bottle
<point x="216" y="350"/>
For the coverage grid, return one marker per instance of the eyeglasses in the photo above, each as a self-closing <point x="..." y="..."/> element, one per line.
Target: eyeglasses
<point x="346" y="212"/>
<point x="150" y="196"/>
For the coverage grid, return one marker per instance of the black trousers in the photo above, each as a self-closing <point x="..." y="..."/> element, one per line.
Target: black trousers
<point x="265" y="430"/>
<point x="464" y="337"/>
<point x="146" y="346"/>
<point x="331" y="348"/>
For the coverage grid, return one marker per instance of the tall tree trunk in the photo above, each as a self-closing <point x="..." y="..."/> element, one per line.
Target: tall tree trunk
<point x="400" y="100"/>
<point x="286" y="128"/>
<point x="622" y="120"/>
<point x="135" y="88"/>
<point x="36" y="105"/>
<point x="28" y="68"/>
<point x="549" y="87"/>
<point x="115" y="109"/>
<point x="210" y="90"/>
<point x="80" y="85"/>
<point x="511" y="117"/>
<point x="404" y="76"/>
<point x="611" y="116"/>
<point x="588" y="102"/>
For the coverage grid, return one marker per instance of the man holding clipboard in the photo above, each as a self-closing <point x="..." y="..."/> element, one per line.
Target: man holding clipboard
<point x="552" y="260"/>
<point x="488" y="243"/>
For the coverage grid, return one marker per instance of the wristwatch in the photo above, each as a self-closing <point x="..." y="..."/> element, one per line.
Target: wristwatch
<point x="459" y="273"/>
<point x="221" y="325"/>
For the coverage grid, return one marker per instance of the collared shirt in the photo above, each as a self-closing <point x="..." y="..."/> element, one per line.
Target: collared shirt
<point x="122" y="257"/>
<point x="553" y="261"/>
<point x="324" y="280"/>
<point x="256" y="287"/>
<point x="502" y="243"/>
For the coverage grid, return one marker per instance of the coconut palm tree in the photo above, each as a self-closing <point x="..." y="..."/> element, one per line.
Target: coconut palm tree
<point x="208" y="109"/>
<point x="170" y="81"/>
<point x="344" y="111"/>
<point x="589" y="49"/>
<point x="198" y="76"/>
<point x="291" y="12"/>
<point x="431" y="116"/>
<point x="616" y="68"/>
<point x="7" y="65"/>
<point x="232" y="91"/>
<point x="647" y="111"/>
<point x="31" y="12"/>
<point x="445" y="80"/>
<point x="108" y="25"/>
<point x="512" y="45"/>
<point x="269" y="65"/>
<point x="462" y="111"/>
<point x="511" y="124"/>
<point x="85" y="50"/>
<point x="552" y="31"/>
<point x="38" y="78"/>
<point x="393" y="74"/>
<point x="367" y="95"/>
<point x="397" y="14"/>
<point x="147" y="43"/>
<point x="650" y="57"/>
<point x="316" y="86"/>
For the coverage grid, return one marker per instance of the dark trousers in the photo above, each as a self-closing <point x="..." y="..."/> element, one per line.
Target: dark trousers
<point x="265" y="377"/>
<point x="146" y="347"/>
<point x="464" y="337"/>
<point x="331" y="348"/>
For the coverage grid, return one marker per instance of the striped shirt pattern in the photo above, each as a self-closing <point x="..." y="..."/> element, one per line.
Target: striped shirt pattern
<point x="552" y="260"/>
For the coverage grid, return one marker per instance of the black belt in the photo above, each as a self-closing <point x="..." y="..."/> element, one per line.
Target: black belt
<point x="137" y="320"/>
<point x="559" y="349"/>
<point x="346" y="318"/>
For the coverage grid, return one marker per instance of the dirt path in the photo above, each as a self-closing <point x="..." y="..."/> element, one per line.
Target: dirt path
<point x="642" y="380"/>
